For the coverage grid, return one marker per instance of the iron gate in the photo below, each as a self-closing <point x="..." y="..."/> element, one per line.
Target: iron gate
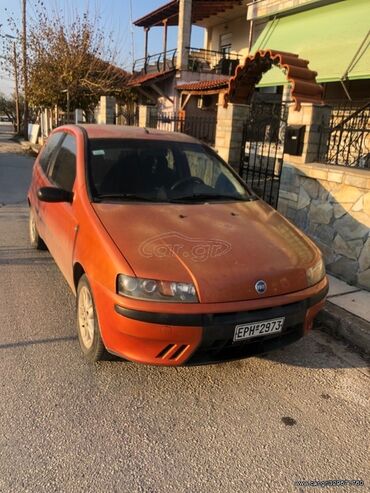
<point x="262" y="150"/>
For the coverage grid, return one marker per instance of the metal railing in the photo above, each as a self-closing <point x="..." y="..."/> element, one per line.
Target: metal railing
<point x="218" y="62"/>
<point x="345" y="140"/>
<point x="199" y="60"/>
<point x="159" y="62"/>
<point x="199" y="127"/>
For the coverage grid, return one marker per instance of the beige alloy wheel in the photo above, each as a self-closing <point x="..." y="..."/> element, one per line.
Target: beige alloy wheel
<point x="32" y="225"/>
<point x="35" y="239"/>
<point x="88" y="329"/>
<point x="86" y="317"/>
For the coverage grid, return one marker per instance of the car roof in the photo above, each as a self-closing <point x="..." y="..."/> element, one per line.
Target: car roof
<point x="131" y="132"/>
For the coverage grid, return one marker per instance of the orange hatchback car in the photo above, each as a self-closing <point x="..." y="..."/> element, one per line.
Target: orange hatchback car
<point x="172" y="258"/>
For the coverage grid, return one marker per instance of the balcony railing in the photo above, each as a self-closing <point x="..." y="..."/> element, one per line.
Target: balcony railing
<point x="199" y="60"/>
<point x="159" y="62"/>
<point x="217" y="62"/>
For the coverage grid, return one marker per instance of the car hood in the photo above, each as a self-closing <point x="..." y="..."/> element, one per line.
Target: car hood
<point x="223" y="248"/>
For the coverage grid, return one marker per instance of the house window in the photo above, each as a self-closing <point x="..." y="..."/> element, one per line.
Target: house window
<point x="226" y="42"/>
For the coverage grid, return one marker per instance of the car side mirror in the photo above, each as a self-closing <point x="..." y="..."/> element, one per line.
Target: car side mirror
<point x="53" y="194"/>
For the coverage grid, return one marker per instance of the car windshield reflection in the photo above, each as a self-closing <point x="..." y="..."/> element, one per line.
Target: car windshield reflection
<point x="160" y="171"/>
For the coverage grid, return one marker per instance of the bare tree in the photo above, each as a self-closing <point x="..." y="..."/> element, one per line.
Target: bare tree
<point x="74" y="57"/>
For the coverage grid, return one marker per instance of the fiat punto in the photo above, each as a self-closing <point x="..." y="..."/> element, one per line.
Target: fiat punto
<point x="172" y="258"/>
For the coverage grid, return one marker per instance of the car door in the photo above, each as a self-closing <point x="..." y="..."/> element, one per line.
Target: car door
<point x="61" y="225"/>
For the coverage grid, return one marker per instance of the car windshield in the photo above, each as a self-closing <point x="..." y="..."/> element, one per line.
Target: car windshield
<point x="160" y="171"/>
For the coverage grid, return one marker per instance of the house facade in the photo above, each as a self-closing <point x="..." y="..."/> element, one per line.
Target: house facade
<point x="281" y="90"/>
<point x="332" y="35"/>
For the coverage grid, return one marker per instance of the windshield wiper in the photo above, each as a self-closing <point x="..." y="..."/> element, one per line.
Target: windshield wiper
<point x="125" y="196"/>
<point x="210" y="196"/>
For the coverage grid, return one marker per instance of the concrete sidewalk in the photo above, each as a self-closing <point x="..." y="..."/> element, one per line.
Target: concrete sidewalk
<point x="347" y="314"/>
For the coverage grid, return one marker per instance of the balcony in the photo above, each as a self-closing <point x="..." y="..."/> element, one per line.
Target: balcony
<point x="199" y="60"/>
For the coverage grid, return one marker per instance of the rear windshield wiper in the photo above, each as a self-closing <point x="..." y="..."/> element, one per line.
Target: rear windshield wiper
<point x="125" y="196"/>
<point x="210" y="196"/>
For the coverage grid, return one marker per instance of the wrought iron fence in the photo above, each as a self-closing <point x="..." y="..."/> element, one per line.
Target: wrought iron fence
<point x="345" y="140"/>
<point x="262" y="151"/>
<point x="200" y="127"/>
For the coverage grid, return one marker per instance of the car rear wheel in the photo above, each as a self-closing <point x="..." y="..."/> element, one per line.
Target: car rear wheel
<point x="35" y="239"/>
<point x="88" y="328"/>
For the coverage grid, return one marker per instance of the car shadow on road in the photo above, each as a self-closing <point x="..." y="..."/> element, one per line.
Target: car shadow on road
<point x="12" y="345"/>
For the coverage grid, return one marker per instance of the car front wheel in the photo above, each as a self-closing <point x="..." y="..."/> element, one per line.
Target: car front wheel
<point x="88" y="329"/>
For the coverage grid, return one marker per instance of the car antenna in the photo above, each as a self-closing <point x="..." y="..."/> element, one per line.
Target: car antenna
<point x="146" y="130"/>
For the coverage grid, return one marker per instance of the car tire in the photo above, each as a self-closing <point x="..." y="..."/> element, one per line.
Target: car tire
<point x="88" y="329"/>
<point x="35" y="239"/>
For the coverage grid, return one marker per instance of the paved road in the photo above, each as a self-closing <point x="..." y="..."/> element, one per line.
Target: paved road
<point x="15" y="168"/>
<point x="252" y="426"/>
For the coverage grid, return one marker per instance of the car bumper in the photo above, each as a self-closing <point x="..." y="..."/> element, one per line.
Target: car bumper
<point x="173" y="339"/>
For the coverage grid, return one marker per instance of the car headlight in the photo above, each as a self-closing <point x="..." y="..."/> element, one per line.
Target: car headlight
<point x="315" y="273"/>
<point x="150" y="289"/>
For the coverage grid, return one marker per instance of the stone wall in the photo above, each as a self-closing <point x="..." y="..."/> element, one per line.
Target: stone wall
<point x="332" y="205"/>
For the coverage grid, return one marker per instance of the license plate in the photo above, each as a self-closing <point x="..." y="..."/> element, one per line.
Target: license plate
<point x="257" y="329"/>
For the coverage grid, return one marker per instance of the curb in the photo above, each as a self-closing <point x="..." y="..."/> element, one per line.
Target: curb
<point x="339" y="323"/>
<point x="28" y="146"/>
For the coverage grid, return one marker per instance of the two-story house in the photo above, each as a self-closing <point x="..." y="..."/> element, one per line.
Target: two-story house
<point x="332" y="35"/>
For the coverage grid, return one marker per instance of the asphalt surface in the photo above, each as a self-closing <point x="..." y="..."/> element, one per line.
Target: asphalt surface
<point x="256" y="425"/>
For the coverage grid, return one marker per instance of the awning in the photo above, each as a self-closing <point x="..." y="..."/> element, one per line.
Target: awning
<point x="334" y="38"/>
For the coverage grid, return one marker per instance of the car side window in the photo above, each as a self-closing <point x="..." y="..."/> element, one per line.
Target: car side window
<point x="63" y="170"/>
<point x="49" y="149"/>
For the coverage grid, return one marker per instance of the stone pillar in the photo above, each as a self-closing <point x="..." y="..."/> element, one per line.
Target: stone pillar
<point x="313" y="117"/>
<point x="106" y="114"/>
<point x="229" y="131"/>
<point x="144" y="115"/>
<point x="184" y="34"/>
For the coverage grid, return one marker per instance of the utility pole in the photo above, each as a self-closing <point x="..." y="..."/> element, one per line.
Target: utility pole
<point x="25" y="70"/>
<point x="132" y="35"/>
<point x="17" y="116"/>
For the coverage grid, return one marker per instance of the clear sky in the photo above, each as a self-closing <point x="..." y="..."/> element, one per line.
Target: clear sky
<point x="115" y="18"/>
